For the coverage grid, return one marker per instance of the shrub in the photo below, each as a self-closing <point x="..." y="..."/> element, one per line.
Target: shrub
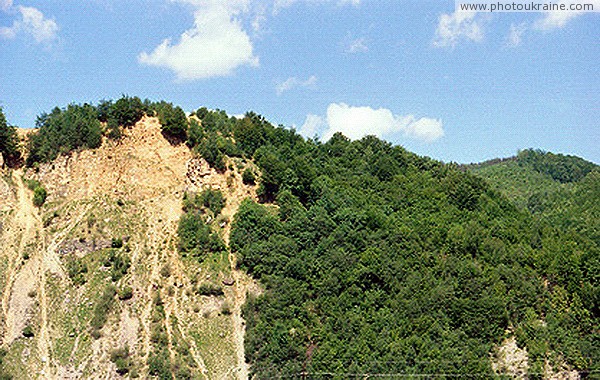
<point x="226" y="308"/>
<point x="158" y="365"/>
<point x="195" y="235"/>
<point x="165" y="271"/>
<point x="116" y="243"/>
<point x="127" y="111"/>
<point x="102" y="309"/>
<point x="121" y="359"/>
<point x="77" y="270"/>
<point x="208" y="289"/>
<point x="28" y="332"/>
<point x="39" y="196"/>
<point x="248" y="177"/>
<point x="119" y="263"/>
<point x="125" y="293"/>
<point x="213" y="200"/>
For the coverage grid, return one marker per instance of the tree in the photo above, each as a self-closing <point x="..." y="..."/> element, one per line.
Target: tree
<point x="8" y="138"/>
<point x="173" y="120"/>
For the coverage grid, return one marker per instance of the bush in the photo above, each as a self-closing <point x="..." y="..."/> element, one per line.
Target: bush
<point x="158" y="365"/>
<point x="127" y="111"/>
<point x="226" y="308"/>
<point x="125" y="293"/>
<point x="28" y="332"/>
<point x="121" y="359"/>
<point x="39" y="196"/>
<point x="213" y="200"/>
<point x="119" y="263"/>
<point x="77" y="270"/>
<point x="208" y="289"/>
<point x="102" y="309"/>
<point x="195" y="235"/>
<point x="116" y="243"/>
<point x="248" y="177"/>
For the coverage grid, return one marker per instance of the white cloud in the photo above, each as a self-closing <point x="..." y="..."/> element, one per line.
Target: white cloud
<point x="358" y="45"/>
<point x="452" y="28"/>
<point x="215" y="46"/>
<point x="515" y="35"/>
<point x="558" y="19"/>
<point x="293" y="82"/>
<point x="357" y="122"/>
<point x="33" y="23"/>
<point x="312" y="125"/>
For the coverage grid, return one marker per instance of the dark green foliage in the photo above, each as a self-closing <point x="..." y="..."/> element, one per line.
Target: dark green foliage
<point x="8" y="139"/>
<point x="196" y="237"/>
<point x="248" y="177"/>
<point x="213" y="200"/>
<point x="560" y="167"/>
<point x="158" y="365"/>
<point x="208" y="289"/>
<point x="173" y="120"/>
<point x="119" y="264"/>
<point x="101" y="311"/>
<point x="126" y="111"/>
<point x="125" y="293"/>
<point x="77" y="271"/>
<point x="210" y="151"/>
<point x="195" y="233"/>
<point x="64" y="130"/>
<point x="28" y="332"/>
<point x="39" y="196"/>
<point x="116" y="243"/>
<point x="122" y="360"/>
<point x="213" y="138"/>
<point x="209" y="199"/>
<point x="375" y="254"/>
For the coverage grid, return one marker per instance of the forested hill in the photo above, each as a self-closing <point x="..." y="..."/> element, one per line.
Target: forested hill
<point x="563" y="190"/>
<point x="379" y="261"/>
<point x="375" y="260"/>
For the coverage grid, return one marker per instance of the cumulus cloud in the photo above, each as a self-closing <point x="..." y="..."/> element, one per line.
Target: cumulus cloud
<point x="457" y="26"/>
<point x="358" y="45"/>
<point x="357" y="122"/>
<point x="215" y="46"/>
<point x="293" y="82"/>
<point x="312" y="125"/>
<point x="515" y="35"/>
<point x="32" y="22"/>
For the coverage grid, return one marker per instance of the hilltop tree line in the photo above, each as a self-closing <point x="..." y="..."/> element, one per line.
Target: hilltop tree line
<point x="82" y="126"/>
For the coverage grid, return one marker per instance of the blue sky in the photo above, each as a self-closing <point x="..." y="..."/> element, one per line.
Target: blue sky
<point x="461" y="87"/>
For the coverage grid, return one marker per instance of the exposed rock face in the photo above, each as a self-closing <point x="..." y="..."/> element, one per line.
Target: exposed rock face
<point x="511" y="360"/>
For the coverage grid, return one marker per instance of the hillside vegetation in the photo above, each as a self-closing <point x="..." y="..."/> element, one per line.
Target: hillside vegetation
<point x="370" y="259"/>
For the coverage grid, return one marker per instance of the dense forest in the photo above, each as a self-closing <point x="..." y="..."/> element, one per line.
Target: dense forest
<point x="380" y="261"/>
<point x="375" y="260"/>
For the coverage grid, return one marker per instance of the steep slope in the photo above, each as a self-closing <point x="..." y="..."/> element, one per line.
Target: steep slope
<point x="110" y="223"/>
<point x="378" y="262"/>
